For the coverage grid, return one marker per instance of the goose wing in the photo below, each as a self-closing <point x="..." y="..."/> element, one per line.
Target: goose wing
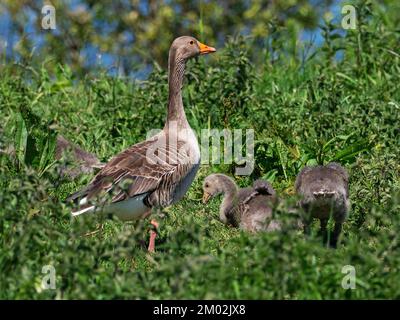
<point x="140" y="169"/>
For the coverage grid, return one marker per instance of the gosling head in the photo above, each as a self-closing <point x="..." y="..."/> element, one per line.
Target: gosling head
<point x="216" y="184"/>
<point x="186" y="47"/>
<point x="211" y="187"/>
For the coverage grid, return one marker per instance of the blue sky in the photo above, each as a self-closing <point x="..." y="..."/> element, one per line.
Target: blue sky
<point x="93" y="56"/>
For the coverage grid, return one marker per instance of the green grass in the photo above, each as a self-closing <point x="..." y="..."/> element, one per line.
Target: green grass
<point x="323" y="110"/>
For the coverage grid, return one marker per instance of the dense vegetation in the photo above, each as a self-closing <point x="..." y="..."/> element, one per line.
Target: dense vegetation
<point x="136" y="32"/>
<point x="303" y="111"/>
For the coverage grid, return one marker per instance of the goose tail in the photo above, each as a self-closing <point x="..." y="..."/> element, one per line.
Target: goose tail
<point x="82" y="210"/>
<point x="81" y="201"/>
<point x="83" y="207"/>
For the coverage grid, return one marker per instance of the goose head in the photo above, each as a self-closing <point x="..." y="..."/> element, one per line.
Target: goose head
<point x="187" y="47"/>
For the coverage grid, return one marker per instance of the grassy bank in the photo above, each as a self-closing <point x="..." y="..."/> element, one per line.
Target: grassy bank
<point x="303" y="111"/>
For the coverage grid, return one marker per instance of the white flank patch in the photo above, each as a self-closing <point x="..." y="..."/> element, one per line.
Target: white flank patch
<point x="77" y="213"/>
<point x="324" y="193"/>
<point x="83" y="201"/>
<point x="130" y="209"/>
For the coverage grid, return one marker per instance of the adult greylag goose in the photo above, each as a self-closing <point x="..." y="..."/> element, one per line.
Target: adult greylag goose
<point x="157" y="172"/>
<point x="324" y="192"/>
<point x="249" y="208"/>
<point x="85" y="162"/>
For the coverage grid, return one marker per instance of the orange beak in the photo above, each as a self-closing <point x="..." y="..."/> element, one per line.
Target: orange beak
<point x="204" y="49"/>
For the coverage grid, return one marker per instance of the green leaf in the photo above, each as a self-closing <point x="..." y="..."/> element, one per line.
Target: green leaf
<point x="352" y="151"/>
<point x="47" y="154"/>
<point x="21" y="135"/>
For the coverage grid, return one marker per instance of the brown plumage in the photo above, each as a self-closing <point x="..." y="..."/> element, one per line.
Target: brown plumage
<point x="250" y="208"/>
<point x="157" y="172"/>
<point x="324" y="192"/>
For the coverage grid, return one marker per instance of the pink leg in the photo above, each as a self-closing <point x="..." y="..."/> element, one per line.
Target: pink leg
<point x="153" y="235"/>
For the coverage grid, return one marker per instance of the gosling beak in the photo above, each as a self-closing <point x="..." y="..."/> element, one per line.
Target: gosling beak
<point x="204" y="49"/>
<point x="206" y="197"/>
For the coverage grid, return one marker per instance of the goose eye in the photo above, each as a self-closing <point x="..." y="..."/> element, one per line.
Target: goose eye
<point x="191" y="42"/>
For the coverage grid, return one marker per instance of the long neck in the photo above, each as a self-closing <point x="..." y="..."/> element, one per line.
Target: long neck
<point x="176" y="70"/>
<point x="229" y="205"/>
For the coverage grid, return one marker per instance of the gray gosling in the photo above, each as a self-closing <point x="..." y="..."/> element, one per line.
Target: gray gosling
<point x="249" y="208"/>
<point x="324" y="192"/>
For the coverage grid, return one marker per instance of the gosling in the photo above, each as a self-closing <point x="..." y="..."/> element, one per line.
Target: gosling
<point x="249" y="209"/>
<point x="324" y="192"/>
<point x="83" y="162"/>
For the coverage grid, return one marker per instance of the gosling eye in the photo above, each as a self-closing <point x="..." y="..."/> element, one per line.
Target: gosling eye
<point x="206" y="185"/>
<point x="191" y="42"/>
